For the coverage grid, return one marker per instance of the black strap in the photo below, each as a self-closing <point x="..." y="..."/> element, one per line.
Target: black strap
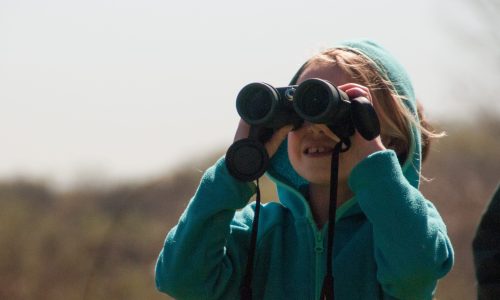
<point x="328" y="291"/>
<point x="246" y="288"/>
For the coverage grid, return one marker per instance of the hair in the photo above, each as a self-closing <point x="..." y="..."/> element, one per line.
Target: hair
<point x="396" y="119"/>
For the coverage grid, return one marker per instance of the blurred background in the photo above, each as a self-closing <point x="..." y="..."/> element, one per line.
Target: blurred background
<point x="111" y="111"/>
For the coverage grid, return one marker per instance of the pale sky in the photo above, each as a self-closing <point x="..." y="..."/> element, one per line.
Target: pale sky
<point x="131" y="89"/>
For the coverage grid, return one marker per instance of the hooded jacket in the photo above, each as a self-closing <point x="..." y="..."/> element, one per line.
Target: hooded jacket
<point x="390" y="242"/>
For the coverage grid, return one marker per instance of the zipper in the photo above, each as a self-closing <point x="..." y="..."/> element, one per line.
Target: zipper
<point x="318" y="235"/>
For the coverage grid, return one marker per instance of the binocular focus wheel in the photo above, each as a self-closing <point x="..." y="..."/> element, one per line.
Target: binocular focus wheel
<point x="247" y="160"/>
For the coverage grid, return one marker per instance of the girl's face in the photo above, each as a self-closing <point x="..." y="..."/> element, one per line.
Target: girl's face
<point x="310" y="150"/>
<point x="310" y="147"/>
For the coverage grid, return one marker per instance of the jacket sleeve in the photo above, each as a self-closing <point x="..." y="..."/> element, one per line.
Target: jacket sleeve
<point x="204" y="254"/>
<point x="412" y="249"/>
<point x="486" y="249"/>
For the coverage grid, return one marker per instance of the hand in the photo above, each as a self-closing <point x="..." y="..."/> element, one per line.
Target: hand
<point x="272" y="145"/>
<point x="361" y="148"/>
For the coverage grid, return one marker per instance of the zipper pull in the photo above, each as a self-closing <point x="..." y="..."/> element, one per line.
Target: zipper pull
<point x="319" y="243"/>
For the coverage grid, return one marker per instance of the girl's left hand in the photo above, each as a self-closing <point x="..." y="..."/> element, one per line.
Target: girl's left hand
<point x="361" y="148"/>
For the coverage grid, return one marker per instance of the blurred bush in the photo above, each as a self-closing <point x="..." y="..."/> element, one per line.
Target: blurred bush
<point x="102" y="243"/>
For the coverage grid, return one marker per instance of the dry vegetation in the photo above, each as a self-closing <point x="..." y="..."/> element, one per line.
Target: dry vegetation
<point x="92" y="243"/>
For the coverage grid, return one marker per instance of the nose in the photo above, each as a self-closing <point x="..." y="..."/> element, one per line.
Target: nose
<point x="313" y="128"/>
<point x="319" y="130"/>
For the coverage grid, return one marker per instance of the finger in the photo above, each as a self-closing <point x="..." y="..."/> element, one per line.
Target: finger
<point x="352" y="85"/>
<point x="356" y="92"/>
<point x="278" y="137"/>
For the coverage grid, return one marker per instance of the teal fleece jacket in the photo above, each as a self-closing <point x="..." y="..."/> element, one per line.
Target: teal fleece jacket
<point x="390" y="242"/>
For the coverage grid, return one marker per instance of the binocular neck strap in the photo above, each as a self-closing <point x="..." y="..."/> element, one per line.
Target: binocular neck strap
<point x="246" y="288"/>
<point x="328" y="291"/>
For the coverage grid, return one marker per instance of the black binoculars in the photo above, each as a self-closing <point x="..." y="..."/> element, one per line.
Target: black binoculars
<point x="266" y="109"/>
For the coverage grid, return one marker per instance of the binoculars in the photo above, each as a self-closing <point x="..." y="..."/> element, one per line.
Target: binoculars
<point x="266" y="109"/>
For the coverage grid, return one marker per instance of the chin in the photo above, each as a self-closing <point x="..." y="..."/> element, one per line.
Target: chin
<point x="317" y="179"/>
<point x="322" y="179"/>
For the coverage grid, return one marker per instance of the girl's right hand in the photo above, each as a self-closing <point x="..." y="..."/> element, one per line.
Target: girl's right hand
<point x="272" y="145"/>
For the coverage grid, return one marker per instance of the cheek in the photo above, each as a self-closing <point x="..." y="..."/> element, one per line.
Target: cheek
<point x="294" y="148"/>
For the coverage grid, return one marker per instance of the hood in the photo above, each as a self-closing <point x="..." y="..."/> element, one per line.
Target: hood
<point x="291" y="186"/>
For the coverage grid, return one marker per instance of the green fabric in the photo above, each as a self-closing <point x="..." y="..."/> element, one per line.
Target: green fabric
<point x="396" y="74"/>
<point x="390" y="242"/>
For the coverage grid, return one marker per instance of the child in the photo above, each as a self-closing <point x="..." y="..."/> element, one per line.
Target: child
<point x="390" y="242"/>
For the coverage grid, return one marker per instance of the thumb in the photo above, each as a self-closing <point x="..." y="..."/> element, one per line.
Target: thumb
<point x="278" y="137"/>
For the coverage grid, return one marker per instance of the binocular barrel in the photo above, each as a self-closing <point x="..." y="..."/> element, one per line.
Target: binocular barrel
<point x="267" y="109"/>
<point x="261" y="104"/>
<point x="314" y="100"/>
<point x="318" y="101"/>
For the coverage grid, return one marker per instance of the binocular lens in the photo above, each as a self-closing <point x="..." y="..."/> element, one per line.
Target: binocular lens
<point x="313" y="101"/>
<point x="255" y="103"/>
<point x="316" y="100"/>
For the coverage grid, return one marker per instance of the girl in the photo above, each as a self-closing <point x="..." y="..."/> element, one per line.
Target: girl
<point x="390" y="242"/>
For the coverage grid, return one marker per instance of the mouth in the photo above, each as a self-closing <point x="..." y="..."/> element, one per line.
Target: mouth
<point x="318" y="151"/>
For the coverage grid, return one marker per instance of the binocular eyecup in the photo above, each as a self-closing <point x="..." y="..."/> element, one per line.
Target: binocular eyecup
<point x="266" y="109"/>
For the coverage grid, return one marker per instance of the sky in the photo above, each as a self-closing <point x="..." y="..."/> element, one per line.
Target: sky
<point x="122" y="90"/>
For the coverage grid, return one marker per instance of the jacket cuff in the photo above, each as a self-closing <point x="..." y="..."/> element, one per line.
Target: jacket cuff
<point x="374" y="170"/>
<point x="230" y="192"/>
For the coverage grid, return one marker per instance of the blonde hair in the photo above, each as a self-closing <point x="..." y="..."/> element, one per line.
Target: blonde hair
<point x="396" y="119"/>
